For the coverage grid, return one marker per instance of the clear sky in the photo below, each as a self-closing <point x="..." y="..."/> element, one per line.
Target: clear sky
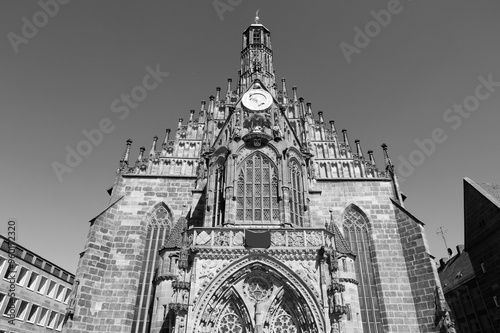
<point x="395" y="88"/>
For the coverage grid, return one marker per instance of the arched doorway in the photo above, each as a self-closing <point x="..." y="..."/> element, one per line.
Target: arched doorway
<point x="256" y="294"/>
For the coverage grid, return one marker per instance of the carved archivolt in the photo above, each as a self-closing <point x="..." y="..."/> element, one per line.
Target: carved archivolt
<point x="255" y="274"/>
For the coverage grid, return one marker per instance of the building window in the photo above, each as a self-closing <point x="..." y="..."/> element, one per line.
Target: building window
<point x="52" y="289"/>
<point x="257" y="191"/>
<point x="11" y="271"/>
<point x="42" y="285"/>
<point x="256" y="36"/>
<point x="22" y="276"/>
<point x="33" y="312"/>
<point x="48" y="268"/>
<point x="18" y="253"/>
<point x="10" y="305"/>
<point x="38" y="262"/>
<point x="356" y="233"/>
<point x="28" y="257"/>
<point x="52" y="320"/>
<point x="231" y="321"/>
<point x="43" y="317"/>
<point x="60" y="320"/>
<point x="296" y="194"/>
<point x="2" y="262"/>
<point x="66" y="296"/>
<point x="159" y="226"/>
<point x="60" y="293"/>
<point x="32" y="281"/>
<point x="2" y="298"/>
<point x="23" y="309"/>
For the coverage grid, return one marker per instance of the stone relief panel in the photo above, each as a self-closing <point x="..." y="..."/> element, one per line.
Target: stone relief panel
<point x="258" y="280"/>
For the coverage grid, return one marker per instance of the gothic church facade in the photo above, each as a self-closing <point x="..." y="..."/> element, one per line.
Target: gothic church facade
<point x="255" y="216"/>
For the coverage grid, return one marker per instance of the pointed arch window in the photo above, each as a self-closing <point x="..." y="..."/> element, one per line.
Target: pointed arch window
<point x="356" y="233"/>
<point x="296" y="193"/>
<point x="283" y="322"/>
<point x="257" y="191"/>
<point x="158" y="230"/>
<point x="230" y="321"/>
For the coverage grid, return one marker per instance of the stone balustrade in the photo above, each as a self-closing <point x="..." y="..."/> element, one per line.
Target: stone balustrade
<point x="221" y="237"/>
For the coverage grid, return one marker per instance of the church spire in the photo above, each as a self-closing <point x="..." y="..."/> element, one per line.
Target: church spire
<point x="257" y="56"/>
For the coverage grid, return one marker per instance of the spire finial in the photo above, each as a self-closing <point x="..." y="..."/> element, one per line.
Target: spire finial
<point x="152" y="152"/>
<point x="387" y="159"/>
<point x="257" y="16"/>
<point x="372" y="159"/>
<point x="358" y="148"/>
<point x="126" y="154"/>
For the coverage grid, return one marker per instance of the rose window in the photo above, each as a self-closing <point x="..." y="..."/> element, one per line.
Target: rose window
<point x="258" y="288"/>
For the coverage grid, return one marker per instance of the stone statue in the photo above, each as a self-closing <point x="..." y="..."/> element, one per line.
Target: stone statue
<point x="337" y="299"/>
<point x="312" y="169"/>
<point x="201" y="171"/>
<point x="236" y="134"/>
<point x="277" y="132"/>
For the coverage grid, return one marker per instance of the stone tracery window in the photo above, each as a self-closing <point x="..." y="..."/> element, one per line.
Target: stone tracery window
<point x="159" y="226"/>
<point x="230" y="321"/>
<point x="257" y="191"/>
<point x="283" y="323"/>
<point x="296" y="196"/>
<point x="356" y="233"/>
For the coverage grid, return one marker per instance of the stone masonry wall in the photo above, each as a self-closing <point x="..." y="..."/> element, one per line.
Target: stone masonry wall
<point x="374" y="199"/>
<point x="92" y="270"/>
<point x="110" y="268"/>
<point x="421" y="269"/>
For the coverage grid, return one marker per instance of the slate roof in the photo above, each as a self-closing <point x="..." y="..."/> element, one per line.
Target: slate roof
<point x="456" y="272"/>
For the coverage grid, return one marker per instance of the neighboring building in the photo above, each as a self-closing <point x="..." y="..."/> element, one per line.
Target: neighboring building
<point x="42" y="291"/>
<point x="470" y="278"/>
<point x="256" y="217"/>
<point x="482" y="241"/>
<point x="462" y="293"/>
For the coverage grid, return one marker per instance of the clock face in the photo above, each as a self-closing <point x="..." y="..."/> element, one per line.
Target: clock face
<point x="257" y="100"/>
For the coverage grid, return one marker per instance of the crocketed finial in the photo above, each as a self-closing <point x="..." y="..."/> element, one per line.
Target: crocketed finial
<point x="126" y="154"/>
